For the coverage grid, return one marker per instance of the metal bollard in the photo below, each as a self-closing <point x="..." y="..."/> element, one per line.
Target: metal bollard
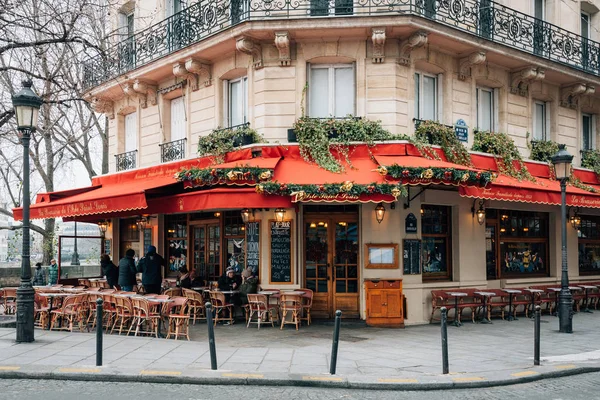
<point x="211" y="337"/>
<point x="99" y="332"/>
<point x="336" y="340"/>
<point x="536" y="336"/>
<point x="444" y="323"/>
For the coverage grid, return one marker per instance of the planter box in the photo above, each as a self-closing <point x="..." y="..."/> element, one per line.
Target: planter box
<point x="291" y="136"/>
<point x="242" y="140"/>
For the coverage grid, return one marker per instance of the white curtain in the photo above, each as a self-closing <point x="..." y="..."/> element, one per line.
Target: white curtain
<point x="344" y="92"/>
<point x="318" y="91"/>
<point x="130" y="131"/>
<point x="177" y="119"/>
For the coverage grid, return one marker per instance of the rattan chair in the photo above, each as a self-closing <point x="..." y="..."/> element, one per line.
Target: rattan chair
<point x="219" y="305"/>
<point x="307" y="299"/>
<point x="259" y="306"/>
<point x="292" y="304"/>
<point x="195" y="305"/>
<point x="143" y="314"/>
<point x="71" y="312"/>
<point x="179" y="319"/>
<point x="123" y="313"/>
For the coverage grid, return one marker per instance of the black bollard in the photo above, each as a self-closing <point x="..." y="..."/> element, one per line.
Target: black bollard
<point x="444" y="323"/>
<point x="211" y="337"/>
<point x="336" y="339"/>
<point x="99" y="332"/>
<point x="536" y="334"/>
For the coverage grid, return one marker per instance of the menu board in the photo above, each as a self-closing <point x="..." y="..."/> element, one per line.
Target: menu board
<point x="253" y="246"/>
<point x="411" y="256"/>
<point x="281" y="251"/>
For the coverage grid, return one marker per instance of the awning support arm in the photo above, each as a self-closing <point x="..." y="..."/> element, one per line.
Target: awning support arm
<point x="409" y="199"/>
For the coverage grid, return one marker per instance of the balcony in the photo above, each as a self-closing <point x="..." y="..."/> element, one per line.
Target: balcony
<point x="125" y="161"/>
<point x="482" y="18"/>
<point x="172" y="151"/>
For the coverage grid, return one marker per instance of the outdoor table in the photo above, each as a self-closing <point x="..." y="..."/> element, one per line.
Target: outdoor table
<point x="587" y="301"/>
<point x="486" y="296"/>
<point x="296" y="292"/>
<point x="456" y="296"/>
<point x="52" y="296"/>
<point x="200" y="288"/>
<point x="556" y="291"/>
<point x="511" y="293"/>
<point x="533" y="292"/>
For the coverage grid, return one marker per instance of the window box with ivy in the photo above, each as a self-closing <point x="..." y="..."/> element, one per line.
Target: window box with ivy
<point x="506" y="152"/>
<point x="542" y="150"/>
<point x="221" y="141"/>
<point x="591" y="159"/>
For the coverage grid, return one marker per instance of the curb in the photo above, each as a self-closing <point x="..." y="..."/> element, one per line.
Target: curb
<point x="324" y="381"/>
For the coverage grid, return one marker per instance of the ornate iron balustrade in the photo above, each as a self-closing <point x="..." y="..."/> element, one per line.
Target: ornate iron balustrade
<point x="483" y="18"/>
<point x="172" y="151"/>
<point x="126" y="160"/>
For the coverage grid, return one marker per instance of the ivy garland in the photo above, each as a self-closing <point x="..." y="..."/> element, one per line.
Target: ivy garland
<point x="433" y="133"/>
<point x="478" y="178"/>
<point x="501" y="145"/>
<point x="332" y="189"/>
<point x="221" y="141"/>
<point x="591" y="160"/>
<point x="542" y="150"/>
<point x="214" y="176"/>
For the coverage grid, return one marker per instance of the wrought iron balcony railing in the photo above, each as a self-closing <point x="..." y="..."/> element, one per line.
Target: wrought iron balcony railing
<point x="126" y="160"/>
<point x="172" y="151"/>
<point x="483" y="18"/>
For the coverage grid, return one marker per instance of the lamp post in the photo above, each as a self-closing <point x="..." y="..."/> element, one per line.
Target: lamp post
<point x="75" y="256"/>
<point x="562" y="166"/>
<point x="27" y="105"/>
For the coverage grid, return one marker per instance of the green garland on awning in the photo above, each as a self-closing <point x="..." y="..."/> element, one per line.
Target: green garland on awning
<point x="214" y="176"/>
<point x="332" y="189"/>
<point x="449" y="175"/>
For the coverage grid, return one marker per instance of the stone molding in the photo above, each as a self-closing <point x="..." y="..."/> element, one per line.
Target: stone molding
<point x="103" y="106"/>
<point x="282" y="42"/>
<point x="466" y="63"/>
<point x="249" y="46"/>
<point x="417" y="39"/>
<point x="378" y="38"/>
<point x="519" y="80"/>
<point x="570" y="95"/>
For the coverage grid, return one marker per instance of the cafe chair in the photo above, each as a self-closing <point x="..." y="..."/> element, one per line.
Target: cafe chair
<point x="172" y="292"/>
<point x="109" y="310"/>
<point x="179" y="319"/>
<point x="291" y="303"/>
<point x="41" y="311"/>
<point x="195" y="303"/>
<point x="10" y="301"/>
<point x="91" y="303"/>
<point x="143" y="314"/>
<point x="258" y="305"/>
<point x="123" y="313"/>
<point x="220" y="305"/>
<point x="69" y="313"/>
<point x="307" y="299"/>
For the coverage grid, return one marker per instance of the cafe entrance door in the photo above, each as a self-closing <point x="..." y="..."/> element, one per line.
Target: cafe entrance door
<point x="206" y="250"/>
<point x="331" y="246"/>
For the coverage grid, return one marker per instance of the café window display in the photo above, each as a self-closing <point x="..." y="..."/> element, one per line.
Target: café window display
<point x="436" y="242"/>
<point x="176" y="227"/>
<point x="235" y="240"/>
<point x="589" y="245"/>
<point x="520" y="243"/>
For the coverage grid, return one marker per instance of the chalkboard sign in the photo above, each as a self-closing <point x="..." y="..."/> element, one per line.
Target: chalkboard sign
<point x="411" y="256"/>
<point x="253" y="246"/>
<point x="281" y="251"/>
<point x="411" y="223"/>
<point x="147" y="239"/>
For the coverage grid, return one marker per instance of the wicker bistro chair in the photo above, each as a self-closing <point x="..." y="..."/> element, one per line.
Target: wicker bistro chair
<point x="258" y="305"/>
<point x="172" y="292"/>
<point x="123" y="313"/>
<point x="219" y="304"/>
<point x="440" y="299"/>
<point x="291" y="303"/>
<point x="143" y="314"/>
<point x="179" y="318"/>
<point x="307" y="299"/>
<point x="91" y="302"/>
<point x="10" y="301"/>
<point x="41" y="311"/>
<point x="109" y="310"/>
<point x="72" y="311"/>
<point x="195" y="305"/>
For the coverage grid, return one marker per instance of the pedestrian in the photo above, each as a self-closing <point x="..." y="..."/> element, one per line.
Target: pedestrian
<point x="151" y="268"/>
<point x="127" y="271"/>
<point x="53" y="272"/>
<point x="109" y="270"/>
<point x="39" y="277"/>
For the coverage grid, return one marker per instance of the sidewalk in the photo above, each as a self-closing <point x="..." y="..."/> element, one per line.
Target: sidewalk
<point x="480" y="355"/>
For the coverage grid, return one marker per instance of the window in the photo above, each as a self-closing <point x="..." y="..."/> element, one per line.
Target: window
<point x="236" y="100"/>
<point x="172" y="7"/>
<point x="539" y="9"/>
<point x="436" y="242"/>
<point x="239" y="10"/>
<point x="589" y="245"/>
<point x="177" y="236"/>
<point x="486" y="110"/>
<point x="234" y="238"/>
<point x="587" y="132"/>
<point x="585" y="33"/>
<point x="426" y="97"/>
<point x="539" y="12"/>
<point x="327" y="7"/>
<point x="331" y="90"/>
<point x="131" y="132"/>
<point x="178" y="119"/>
<point x="518" y="243"/>
<point x="540" y="120"/>
<point x="126" y="24"/>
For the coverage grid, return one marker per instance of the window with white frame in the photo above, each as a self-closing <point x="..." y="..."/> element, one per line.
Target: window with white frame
<point x="427" y="94"/>
<point x="331" y="90"/>
<point x="178" y="119"/>
<point x="130" y="132"/>
<point x="236" y="101"/>
<point x="486" y="109"/>
<point x="588" y="137"/>
<point x="540" y="120"/>
<point x="539" y="9"/>
<point x="172" y="7"/>
<point x="126" y="24"/>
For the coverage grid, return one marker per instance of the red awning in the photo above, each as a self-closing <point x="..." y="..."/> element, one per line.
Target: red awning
<point x="418" y="162"/>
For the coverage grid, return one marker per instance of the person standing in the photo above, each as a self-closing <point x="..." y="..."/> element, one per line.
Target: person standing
<point x="127" y="271"/>
<point x="53" y="272"/>
<point x="151" y="268"/>
<point x="109" y="270"/>
<point x="39" y="277"/>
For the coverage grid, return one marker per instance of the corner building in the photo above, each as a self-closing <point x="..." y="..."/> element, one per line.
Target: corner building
<point x="176" y="71"/>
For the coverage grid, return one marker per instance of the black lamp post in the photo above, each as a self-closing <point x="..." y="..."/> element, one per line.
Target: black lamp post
<point x="562" y="166"/>
<point x="75" y="256"/>
<point x="27" y="105"/>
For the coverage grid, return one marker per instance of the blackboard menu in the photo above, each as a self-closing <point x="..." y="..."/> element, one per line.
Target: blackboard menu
<point x="281" y="251"/>
<point x="411" y="256"/>
<point x="253" y="246"/>
<point x="147" y="239"/>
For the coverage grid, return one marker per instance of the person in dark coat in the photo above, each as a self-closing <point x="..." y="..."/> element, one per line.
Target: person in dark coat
<point x="151" y="268"/>
<point x="184" y="279"/>
<point x="109" y="270"/>
<point x="39" y="277"/>
<point x="127" y="271"/>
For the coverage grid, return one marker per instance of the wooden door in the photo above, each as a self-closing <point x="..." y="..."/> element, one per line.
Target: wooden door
<point x="206" y="250"/>
<point x="331" y="264"/>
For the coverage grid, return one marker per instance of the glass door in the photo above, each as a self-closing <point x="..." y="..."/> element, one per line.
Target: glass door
<point x="317" y="266"/>
<point x="345" y="264"/>
<point x="491" y="262"/>
<point x="206" y="239"/>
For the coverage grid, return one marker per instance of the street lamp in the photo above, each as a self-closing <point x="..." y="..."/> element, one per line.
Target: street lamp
<point x="279" y="214"/>
<point x="75" y="256"/>
<point x="103" y="226"/>
<point x="562" y="167"/>
<point x="27" y="105"/>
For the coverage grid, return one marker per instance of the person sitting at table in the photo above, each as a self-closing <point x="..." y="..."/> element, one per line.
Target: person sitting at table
<point x="249" y="285"/>
<point x="109" y="270"/>
<point x="127" y="271"/>
<point x="197" y="280"/>
<point x="184" y="278"/>
<point x="231" y="281"/>
<point x="150" y="266"/>
<point x="39" y="277"/>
